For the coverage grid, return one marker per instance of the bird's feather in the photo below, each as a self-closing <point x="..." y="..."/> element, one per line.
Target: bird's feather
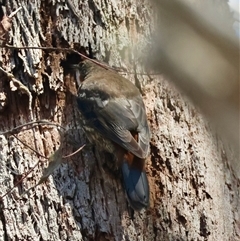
<point x="116" y="118"/>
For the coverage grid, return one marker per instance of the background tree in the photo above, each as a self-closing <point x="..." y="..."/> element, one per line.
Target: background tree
<point x="194" y="192"/>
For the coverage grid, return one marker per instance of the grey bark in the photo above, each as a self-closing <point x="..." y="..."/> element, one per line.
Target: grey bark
<point x="194" y="193"/>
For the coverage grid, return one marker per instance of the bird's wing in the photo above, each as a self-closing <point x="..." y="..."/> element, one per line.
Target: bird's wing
<point x="116" y="118"/>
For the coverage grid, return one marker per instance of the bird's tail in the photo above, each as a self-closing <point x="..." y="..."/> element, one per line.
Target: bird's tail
<point x="136" y="184"/>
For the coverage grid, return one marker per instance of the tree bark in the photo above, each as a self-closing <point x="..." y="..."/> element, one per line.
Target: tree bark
<point x="194" y="193"/>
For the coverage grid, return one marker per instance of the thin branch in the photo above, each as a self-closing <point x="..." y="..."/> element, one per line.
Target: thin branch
<point x="54" y="49"/>
<point x="74" y="51"/>
<point x="33" y="123"/>
<point x="14" y="12"/>
<point x="52" y="163"/>
<point x="72" y="154"/>
<point x="32" y="149"/>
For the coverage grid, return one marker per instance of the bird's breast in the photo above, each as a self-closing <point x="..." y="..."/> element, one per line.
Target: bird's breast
<point x="97" y="139"/>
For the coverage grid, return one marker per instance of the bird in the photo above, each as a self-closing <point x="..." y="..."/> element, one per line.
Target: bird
<point x="114" y="119"/>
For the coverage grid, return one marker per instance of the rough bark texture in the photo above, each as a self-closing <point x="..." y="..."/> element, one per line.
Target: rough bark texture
<point x="194" y="195"/>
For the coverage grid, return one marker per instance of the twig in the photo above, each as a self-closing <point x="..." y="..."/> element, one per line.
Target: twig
<point x="6" y="24"/>
<point x="32" y="149"/>
<point x="54" y="159"/>
<point x="54" y="49"/>
<point x="74" y="51"/>
<point x="39" y="122"/>
<point x="14" y="12"/>
<point x="72" y="154"/>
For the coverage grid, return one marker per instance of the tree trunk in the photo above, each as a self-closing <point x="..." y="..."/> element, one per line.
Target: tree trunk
<point x="194" y="193"/>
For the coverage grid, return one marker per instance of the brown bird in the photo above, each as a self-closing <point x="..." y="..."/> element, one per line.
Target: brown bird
<point x="114" y="118"/>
